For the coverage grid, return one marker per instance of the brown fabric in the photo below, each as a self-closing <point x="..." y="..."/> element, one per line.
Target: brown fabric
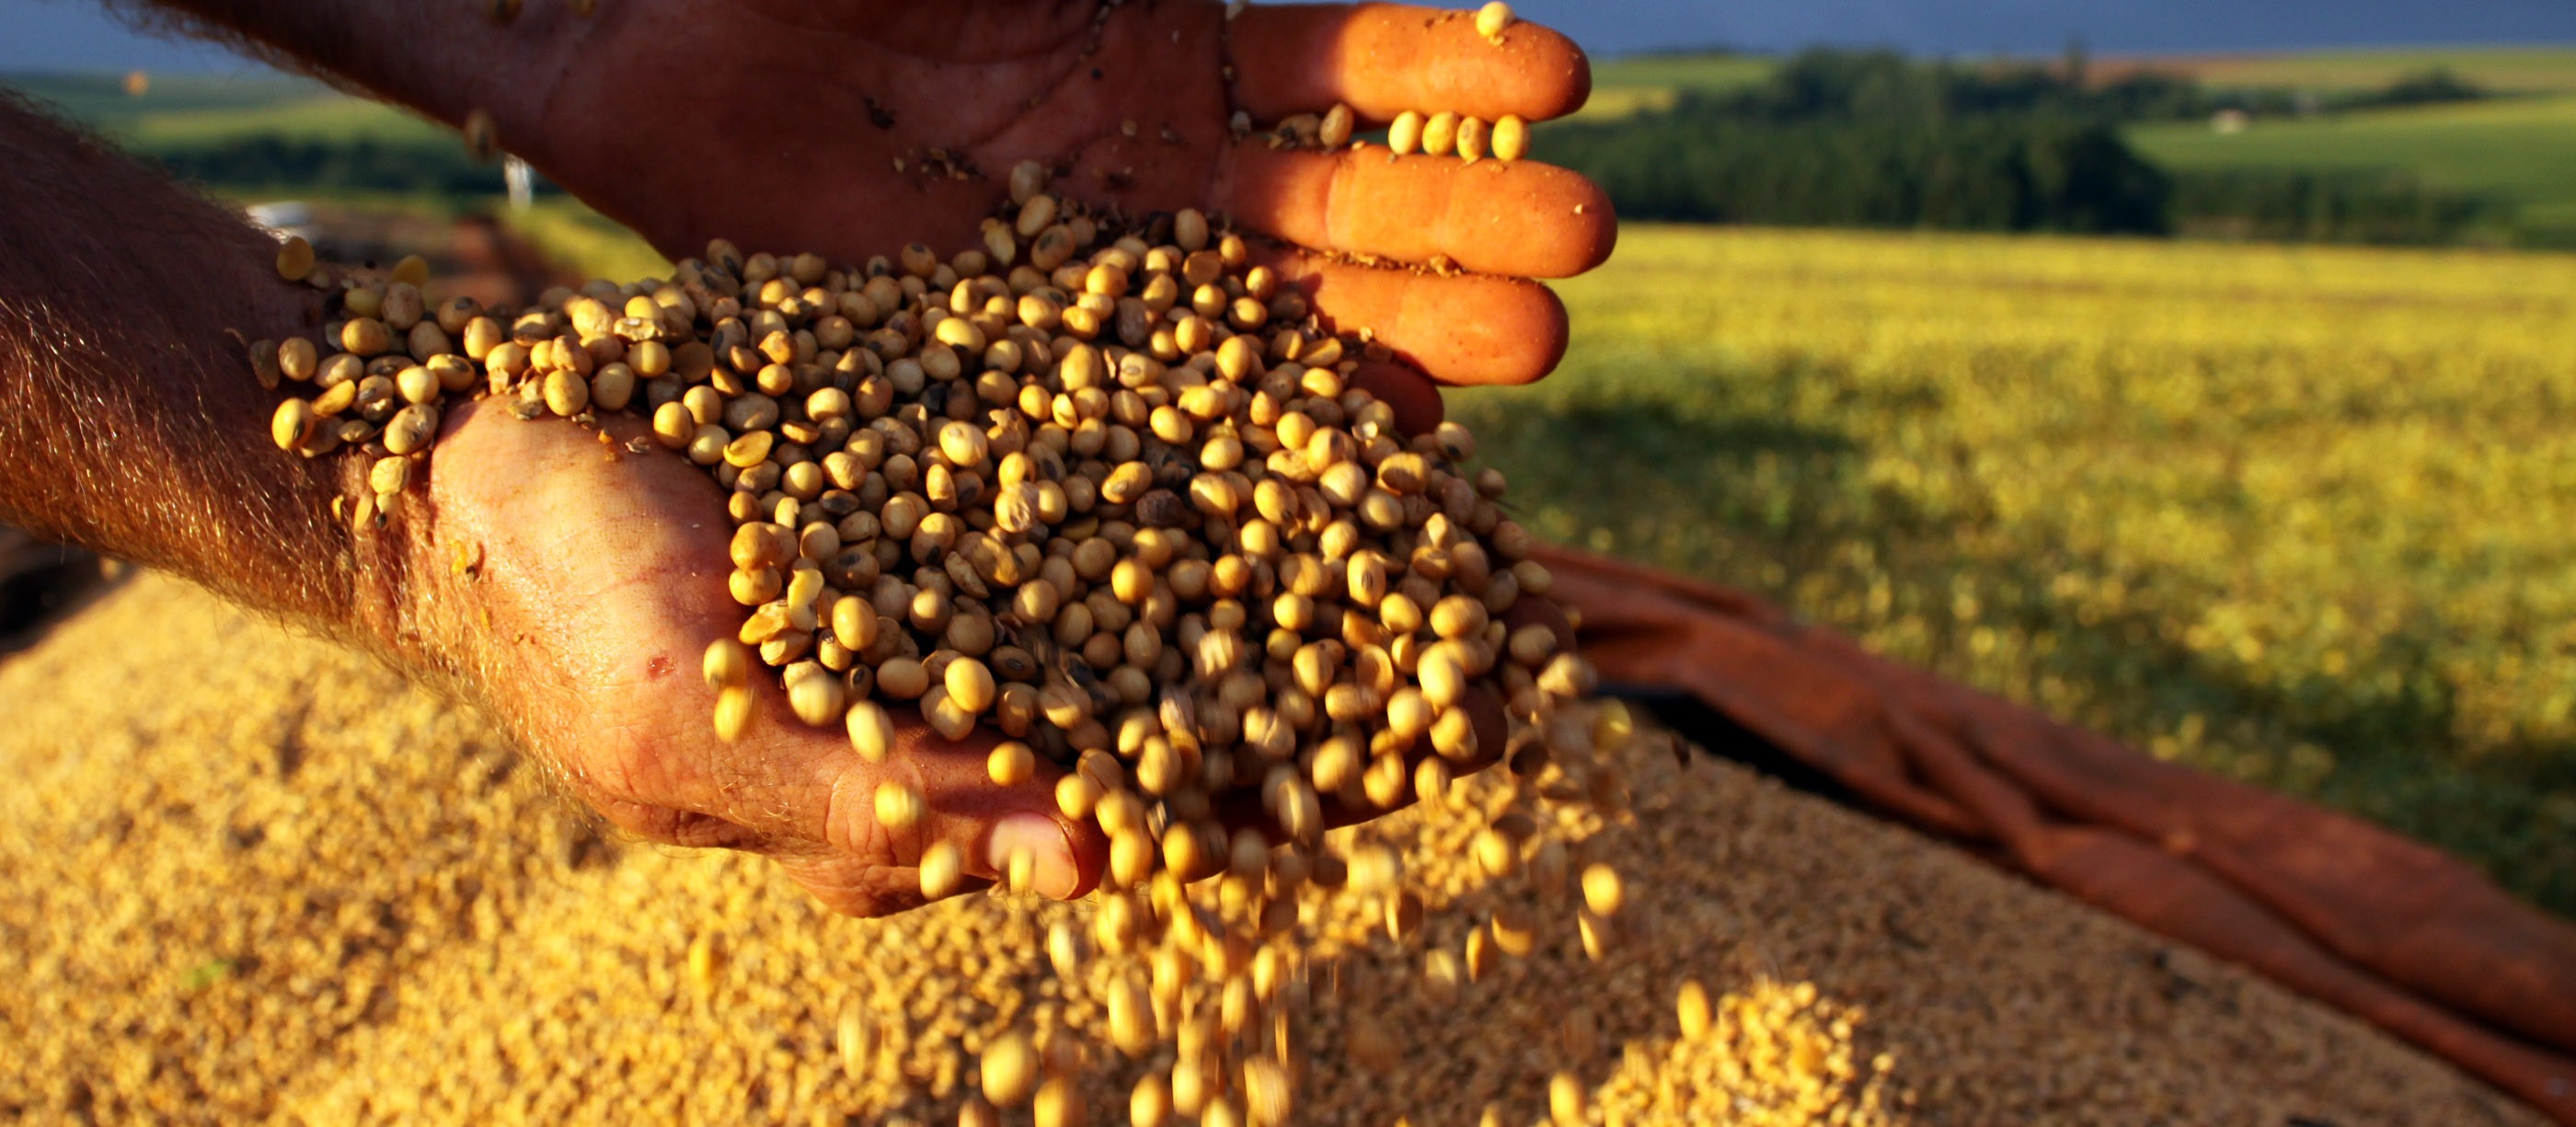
<point x="2380" y="926"/>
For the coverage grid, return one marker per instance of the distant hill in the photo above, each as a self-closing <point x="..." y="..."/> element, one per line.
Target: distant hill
<point x="77" y="35"/>
<point x="2027" y="27"/>
<point x="2509" y="69"/>
<point x="1625" y="85"/>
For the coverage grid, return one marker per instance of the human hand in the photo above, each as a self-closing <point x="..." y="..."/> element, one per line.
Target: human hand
<point x="781" y="125"/>
<point x="595" y="582"/>
<point x="571" y="585"/>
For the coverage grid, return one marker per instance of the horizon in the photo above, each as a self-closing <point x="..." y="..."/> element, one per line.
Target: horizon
<point x="77" y="36"/>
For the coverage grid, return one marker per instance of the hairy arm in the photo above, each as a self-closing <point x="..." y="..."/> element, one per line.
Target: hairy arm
<point x="129" y="420"/>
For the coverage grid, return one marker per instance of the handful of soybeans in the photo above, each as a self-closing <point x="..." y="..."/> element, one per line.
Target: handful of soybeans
<point x="1106" y="487"/>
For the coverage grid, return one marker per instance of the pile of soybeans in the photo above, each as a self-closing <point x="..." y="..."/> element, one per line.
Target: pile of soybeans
<point x="256" y="877"/>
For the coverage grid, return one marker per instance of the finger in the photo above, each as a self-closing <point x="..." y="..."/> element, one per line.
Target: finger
<point x="987" y="822"/>
<point x="1384" y="59"/>
<point x="1412" y="395"/>
<point x="1519" y="218"/>
<point x="1463" y="329"/>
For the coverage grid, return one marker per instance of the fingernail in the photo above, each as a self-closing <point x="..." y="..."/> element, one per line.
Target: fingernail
<point x="1053" y="874"/>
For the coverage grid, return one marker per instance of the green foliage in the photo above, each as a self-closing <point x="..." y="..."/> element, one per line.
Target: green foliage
<point x="2342" y="206"/>
<point x="1835" y="138"/>
<point x="2432" y="87"/>
<point x="279" y="164"/>
<point x="2295" y="515"/>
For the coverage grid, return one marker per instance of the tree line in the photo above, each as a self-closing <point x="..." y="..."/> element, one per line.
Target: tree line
<point x="1873" y="139"/>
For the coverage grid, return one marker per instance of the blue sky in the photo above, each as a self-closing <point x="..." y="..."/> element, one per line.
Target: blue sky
<point x="77" y="35"/>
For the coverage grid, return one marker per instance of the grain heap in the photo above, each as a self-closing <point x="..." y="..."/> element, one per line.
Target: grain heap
<point x="1110" y="489"/>
<point x="259" y="878"/>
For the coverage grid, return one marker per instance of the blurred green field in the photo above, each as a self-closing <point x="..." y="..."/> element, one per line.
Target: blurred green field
<point x="2296" y="515"/>
<point x="2518" y="150"/>
<point x="2515" y="69"/>
<point x="177" y="111"/>
<point x="197" y="109"/>
<point x="1624" y="86"/>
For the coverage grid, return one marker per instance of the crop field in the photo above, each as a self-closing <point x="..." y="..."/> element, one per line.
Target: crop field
<point x="2518" y="150"/>
<point x="2298" y="516"/>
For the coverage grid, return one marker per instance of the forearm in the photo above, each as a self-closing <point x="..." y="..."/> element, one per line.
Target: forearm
<point x="130" y="422"/>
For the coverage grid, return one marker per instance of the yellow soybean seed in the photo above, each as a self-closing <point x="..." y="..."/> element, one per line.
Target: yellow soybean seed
<point x="816" y="699"/>
<point x="1442" y="674"/>
<point x="389" y="475"/>
<point x="733" y="712"/>
<point x="1513" y="933"/>
<point x="1077" y="795"/>
<point x="417" y="385"/>
<point x="1059" y="1103"/>
<point x="1603" y="892"/>
<point x="1149" y="1103"/>
<point x="1404" y="135"/>
<point x="1008" y="1069"/>
<point x="1064" y="949"/>
<point x="903" y="678"/>
<point x="1493" y="18"/>
<point x="366" y="336"/>
<point x="1440" y="134"/>
<point x="899" y="806"/>
<point x="943" y="871"/>
<point x="727" y="664"/>
<point x="970" y="684"/>
<point x="295" y="259"/>
<point x="293" y="424"/>
<point x="612" y="387"/>
<point x="1336" y="130"/>
<point x="1472" y="136"/>
<point x="1692" y="1004"/>
<point x="1564" y="1092"/>
<point x="566" y="393"/>
<point x="1510" y="137"/>
<point x="1011" y="764"/>
<point x="705" y="960"/>
<point x="871" y="730"/>
<point x="297" y="359"/>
